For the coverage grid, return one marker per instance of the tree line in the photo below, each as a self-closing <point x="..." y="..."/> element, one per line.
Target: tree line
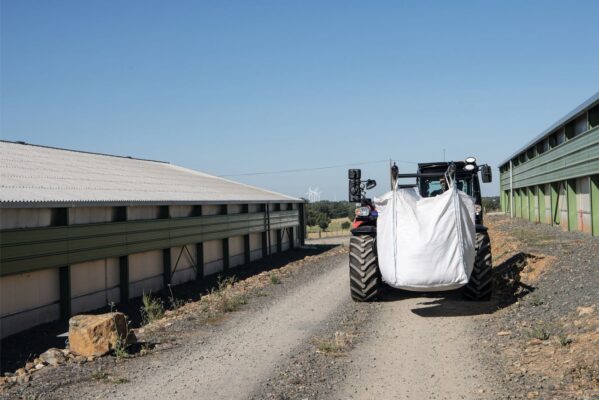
<point x="321" y="213"/>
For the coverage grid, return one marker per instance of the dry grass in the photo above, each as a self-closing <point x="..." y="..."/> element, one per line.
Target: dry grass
<point x="334" y="346"/>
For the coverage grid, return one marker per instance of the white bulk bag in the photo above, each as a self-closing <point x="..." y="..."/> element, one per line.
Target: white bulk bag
<point x="425" y="243"/>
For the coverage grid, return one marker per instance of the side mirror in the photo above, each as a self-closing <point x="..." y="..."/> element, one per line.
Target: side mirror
<point x="370" y="183"/>
<point x="486" y="173"/>
<point x="355" y="193"/>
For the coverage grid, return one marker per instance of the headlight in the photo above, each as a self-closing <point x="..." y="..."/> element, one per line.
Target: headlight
<point x="478" y="208"/>
<point x="470" y="160"/>
<point x="362" y="212"/>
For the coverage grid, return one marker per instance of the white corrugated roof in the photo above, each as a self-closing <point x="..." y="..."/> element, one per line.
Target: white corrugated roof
<point x="38" y="176"/>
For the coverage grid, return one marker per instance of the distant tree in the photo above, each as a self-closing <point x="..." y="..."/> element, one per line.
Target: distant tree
<point x="323" y="223"/>
<point x="490" y="203"/>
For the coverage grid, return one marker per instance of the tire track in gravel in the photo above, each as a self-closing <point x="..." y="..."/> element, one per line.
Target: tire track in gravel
<point x="230" y="365"/>
<point x="417" y="348"/>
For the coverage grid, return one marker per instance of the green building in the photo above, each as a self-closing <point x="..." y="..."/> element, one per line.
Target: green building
<point x="554" y="179"/>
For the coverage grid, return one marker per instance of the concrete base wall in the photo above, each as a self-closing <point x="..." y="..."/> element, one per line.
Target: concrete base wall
<point x="145" y="273"/>
<point x="213" y="257"/>
<point x="183" y="270"/>
<point x="27" y="300"/>
<point x="94" y="284"/>
<point x="236" y="251"/>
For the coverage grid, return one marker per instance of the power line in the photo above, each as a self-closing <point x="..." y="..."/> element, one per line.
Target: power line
<point x="289" y="171"/>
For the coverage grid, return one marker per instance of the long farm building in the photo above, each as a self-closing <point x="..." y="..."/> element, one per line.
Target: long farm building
<point x="80" y="230"/>
<point x="554" y="179"/>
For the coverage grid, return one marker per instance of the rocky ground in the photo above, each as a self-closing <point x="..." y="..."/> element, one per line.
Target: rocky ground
<point x="288" y="330"/>
<point x="543" y="342"/>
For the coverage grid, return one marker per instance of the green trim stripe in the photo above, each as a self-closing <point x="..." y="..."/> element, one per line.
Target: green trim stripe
<point x="31" y="249"/>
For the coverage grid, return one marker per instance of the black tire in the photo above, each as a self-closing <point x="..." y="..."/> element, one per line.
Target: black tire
<point x="364" y="274"/>
<point x="480" y="286"/>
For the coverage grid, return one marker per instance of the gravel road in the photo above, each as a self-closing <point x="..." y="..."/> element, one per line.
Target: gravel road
<point x="403" y="347"/>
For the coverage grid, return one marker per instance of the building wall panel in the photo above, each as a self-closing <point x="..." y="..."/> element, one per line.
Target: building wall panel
<point x="583" y="204"/>
<point x="27" y="300"/>
<point x="595" y="201"/>
<point x="145" y="272"/>
<point x="180" y="211"/>
<point x="13" y="218"/>
<point x="572" y="206"/>
<point x="183" y="260"/>
<point x="94" y="284"/>
<point x="90" y="215"/>
<point x="236" y="251"/>
<point x="255" y="246"/>
<point x="563" y="205"/>
<point x="213" y="257"/>
<point x="135" y="213"/>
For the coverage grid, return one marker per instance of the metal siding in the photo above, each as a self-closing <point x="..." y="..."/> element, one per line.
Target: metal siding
<point x="39" y="248"/>
<point x="595" y="203"/>
<point x="548" y="216"/>
<point x="578" y="157"/>
<point x="525" y="204"/>
<point x="563" y="206"/>
<point x="583" y="204"/>
<point x="572" y="214"/>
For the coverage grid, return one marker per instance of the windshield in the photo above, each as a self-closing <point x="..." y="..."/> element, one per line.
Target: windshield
<point x="430" y="187"/>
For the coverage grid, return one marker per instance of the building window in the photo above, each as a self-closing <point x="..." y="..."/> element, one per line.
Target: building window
<point x="561" y="136"/>
<point x="594" y="117"/>
<point x="581" y="125"/>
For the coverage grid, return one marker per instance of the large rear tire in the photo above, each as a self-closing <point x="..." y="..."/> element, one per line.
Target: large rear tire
<point x="364" y="274"/>
<point x="480" y="286"/>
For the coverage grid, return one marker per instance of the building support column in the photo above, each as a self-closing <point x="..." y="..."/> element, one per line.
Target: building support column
<point x="124" y="278"/>
<point x="246" y="249"/>
<point x="264" y="244"/>
<point x="291" y="238"/>
<point x="225" y="254"/>
<point x="64" y="278"/>
<point x="279" y="240"/>
<point x="199" y="261"/>
<point x="166" y="265"/>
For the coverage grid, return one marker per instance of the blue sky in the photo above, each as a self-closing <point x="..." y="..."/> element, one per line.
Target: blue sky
<point x="249" y="86"/>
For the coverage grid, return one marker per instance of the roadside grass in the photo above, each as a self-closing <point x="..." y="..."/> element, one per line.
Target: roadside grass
<point x="334" y="346"/>
<point x="224" y="300"/>
<point x="540" y="332"/>
<point x="274" y="279"/>
<point x="152" y="308"/>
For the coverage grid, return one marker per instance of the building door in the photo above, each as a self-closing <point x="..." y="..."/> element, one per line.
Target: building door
<point x="583" y="204"/>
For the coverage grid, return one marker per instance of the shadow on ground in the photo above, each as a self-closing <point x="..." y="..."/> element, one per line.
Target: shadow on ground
<point x="17" y="349"/>
<point x="507" y="290"/>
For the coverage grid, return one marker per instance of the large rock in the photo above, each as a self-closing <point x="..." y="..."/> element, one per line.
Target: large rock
<point x="96" y="335"/>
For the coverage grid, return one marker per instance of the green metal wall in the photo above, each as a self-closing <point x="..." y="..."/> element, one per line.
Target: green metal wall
<point x="595" y="204"/>
<point x="576" y="158"/>
<point x="24" y="250"/>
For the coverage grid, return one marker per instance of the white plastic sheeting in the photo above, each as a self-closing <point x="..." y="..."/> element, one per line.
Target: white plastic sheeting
<point x="425" y="244"/>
